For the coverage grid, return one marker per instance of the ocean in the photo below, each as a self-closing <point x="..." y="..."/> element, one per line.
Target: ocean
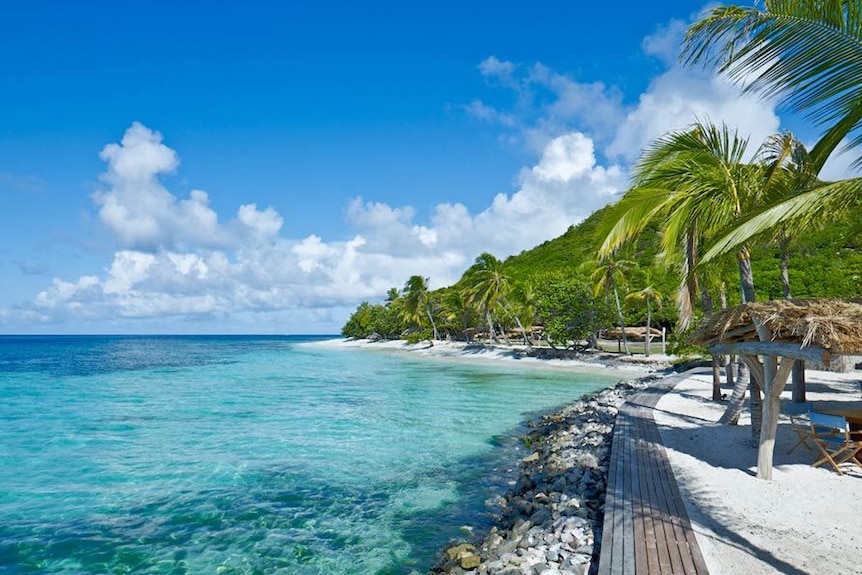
<point x="252" y="454"/>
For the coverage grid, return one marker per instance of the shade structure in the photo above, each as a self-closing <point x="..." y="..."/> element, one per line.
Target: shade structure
<point x="769" y="335"/>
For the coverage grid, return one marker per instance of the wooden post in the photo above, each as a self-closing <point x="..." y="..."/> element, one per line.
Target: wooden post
<point x="716" y="379"/>
<point x="798" y="381"/>
<point x="663" y="342"/>
<point x="777" y="378"/>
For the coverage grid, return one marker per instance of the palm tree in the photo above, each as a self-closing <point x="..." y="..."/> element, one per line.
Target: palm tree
<point x="417" y="303"/>
<point x="458" y="309"/>
<point x="489" y="288"/>
<point x="809" y="54"/>
<point x="608" y="274"/>
<point x="649" y="294"/>
<point x="697" y="184"/>
<point x="521" y="305"/>
<point x="789" y="171"/>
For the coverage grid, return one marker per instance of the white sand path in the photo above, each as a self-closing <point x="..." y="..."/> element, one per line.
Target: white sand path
<point x="806" y="520"/>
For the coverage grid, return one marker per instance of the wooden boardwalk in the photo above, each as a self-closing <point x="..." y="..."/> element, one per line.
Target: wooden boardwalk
<point x="646" y="528"/>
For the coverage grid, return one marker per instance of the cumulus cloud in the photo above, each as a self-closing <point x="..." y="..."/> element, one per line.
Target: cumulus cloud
<point x="678" y="98"/>
<point x="169" y="263"/>
<point x="138" y="209"/>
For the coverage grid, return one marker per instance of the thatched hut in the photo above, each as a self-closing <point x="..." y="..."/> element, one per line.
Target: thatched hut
<point x="818" y="331"/>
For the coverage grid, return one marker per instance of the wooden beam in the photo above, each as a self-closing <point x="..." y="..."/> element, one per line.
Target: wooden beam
<point x="775" y="349"/>
<point x="754" y="366"/>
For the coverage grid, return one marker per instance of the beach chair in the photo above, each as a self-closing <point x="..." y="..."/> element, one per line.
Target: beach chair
<point x="800" y="424"/>
<point x="837" y="444"/>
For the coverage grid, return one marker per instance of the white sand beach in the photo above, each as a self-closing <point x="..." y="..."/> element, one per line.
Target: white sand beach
<point x="456" y="350"/>
<point x="806" y="520"/>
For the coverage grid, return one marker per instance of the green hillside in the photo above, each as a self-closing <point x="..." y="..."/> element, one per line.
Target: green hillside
<point x="823" y="263"/>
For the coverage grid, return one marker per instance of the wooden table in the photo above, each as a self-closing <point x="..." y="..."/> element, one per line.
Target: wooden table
<point x="852" y="414"/>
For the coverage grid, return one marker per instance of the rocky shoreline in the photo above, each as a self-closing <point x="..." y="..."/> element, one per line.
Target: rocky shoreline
<point x="552" y="519"/>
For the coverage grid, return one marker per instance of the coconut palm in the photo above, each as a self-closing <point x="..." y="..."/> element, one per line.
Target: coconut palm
<point x="697" y="184"/>
<point x="457" y="309"/>
<point x="649" y="294"/>
<point x="789" y="171"/>
<point x="488" y="287"/>
<point x="608" y="274"/>
<point x="808" y="53"/>
<point x="417" y="303"/>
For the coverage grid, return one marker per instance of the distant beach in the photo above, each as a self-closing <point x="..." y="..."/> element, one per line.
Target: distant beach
<point x="539" y="357"/>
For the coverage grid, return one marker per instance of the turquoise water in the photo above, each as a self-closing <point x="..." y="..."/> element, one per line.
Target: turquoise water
<point x="250" y="454"/>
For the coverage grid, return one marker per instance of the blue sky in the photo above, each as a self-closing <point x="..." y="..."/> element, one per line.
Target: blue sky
<point x="262" y="167"/>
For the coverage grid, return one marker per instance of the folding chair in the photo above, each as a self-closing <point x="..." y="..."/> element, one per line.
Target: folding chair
<point x="800" y="424"/>
<point x="832" y="435"/>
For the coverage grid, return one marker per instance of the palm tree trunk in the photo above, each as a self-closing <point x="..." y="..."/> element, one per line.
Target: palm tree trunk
<point x="746" y="276"/>
<point x="648" y="332"/>
<point x="785" y="275"/>
<point x="622" y="322"/>
<point x="737" y="398"/>
<point x="504" y="334"/>
<point x="491" y="333"/>
<point x="523" y="331"/>
<point x="433" y="324"/>
<point x="716" y="378"/>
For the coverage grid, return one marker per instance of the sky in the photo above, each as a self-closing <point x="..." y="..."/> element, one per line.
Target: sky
<point x="263" y="167"/>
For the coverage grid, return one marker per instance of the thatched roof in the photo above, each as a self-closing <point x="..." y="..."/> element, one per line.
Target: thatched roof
<point x="632" y="331"/>
<point x="834" y="325"/>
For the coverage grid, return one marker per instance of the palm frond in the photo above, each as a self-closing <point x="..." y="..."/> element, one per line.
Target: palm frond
<point x="803" y="209"/>
<point x="808" y="53"/>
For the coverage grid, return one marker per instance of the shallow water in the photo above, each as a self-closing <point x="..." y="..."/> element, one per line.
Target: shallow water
<point x="250" y="454"/>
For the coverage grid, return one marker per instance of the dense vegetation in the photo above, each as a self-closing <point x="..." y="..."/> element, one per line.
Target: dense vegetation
<point x="549" y="285"/>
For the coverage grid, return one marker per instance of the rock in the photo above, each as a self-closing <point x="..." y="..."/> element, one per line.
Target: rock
<point x="470" y="561"/>
<point x="458" y="550"/>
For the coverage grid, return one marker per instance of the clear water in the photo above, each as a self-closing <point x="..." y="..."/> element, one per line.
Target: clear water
<point x="250" y="454"/>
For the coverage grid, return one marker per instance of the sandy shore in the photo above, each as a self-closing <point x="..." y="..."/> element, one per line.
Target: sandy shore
<point x="806" y="520"/>
<point x="535" y="357"/>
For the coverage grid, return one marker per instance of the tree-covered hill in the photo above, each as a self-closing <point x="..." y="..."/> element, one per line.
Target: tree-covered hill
<point x="499" y="298"/>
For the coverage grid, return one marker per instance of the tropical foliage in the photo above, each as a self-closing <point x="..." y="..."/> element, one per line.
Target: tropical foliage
<point x="703" y="213"/>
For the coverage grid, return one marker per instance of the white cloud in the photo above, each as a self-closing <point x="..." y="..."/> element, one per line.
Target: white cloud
<point x="491" y="67"/>
<point x="840" y="165"/>
<point x="138" y="209"/>
<point x="665" y="42"/>
<point x="678" y="98"/>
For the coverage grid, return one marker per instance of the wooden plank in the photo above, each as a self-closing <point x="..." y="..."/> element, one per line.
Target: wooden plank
<point x="611" y="498"/>
<point x="668" y="554"/>
<point x="646" y="528"/>
<point x="653" y="567"/>
<point x="774" y="348"/>
<point x="638" y="512"/>
<point x="652" y="560"/>
<point x="628" y="557"/>
<point x="675" y="507"/>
